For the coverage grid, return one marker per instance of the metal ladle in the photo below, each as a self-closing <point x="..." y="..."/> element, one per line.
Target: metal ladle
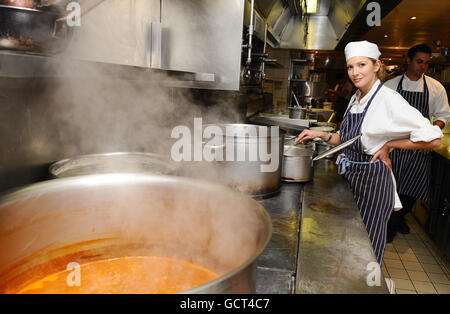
<point x="296" y="100"/>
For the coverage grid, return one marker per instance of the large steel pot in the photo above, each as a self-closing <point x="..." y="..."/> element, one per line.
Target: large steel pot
<point x="145" y="163"/>
<point x="298" y="163"/>
<point x="48" y="225"/>
<point x="245" y="174"/>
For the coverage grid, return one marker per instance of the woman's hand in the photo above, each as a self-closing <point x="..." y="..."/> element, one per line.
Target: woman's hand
<point x="383" y="155"/>
<point x="308" y="135"/>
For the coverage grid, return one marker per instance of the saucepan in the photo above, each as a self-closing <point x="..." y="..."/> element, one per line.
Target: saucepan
<point x="298" y="159"/>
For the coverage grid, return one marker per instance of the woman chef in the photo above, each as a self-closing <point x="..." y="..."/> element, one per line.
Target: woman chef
<point x="386" y="121"/>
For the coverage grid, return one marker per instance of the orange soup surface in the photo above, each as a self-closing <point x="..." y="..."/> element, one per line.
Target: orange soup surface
<point x="135" y="274"/>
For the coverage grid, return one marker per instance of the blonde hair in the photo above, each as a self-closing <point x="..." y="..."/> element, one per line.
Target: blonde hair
<point x="381" y="73"/>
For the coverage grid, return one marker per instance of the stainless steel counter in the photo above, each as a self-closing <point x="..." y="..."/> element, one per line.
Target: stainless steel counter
<point x="320" y="244"/>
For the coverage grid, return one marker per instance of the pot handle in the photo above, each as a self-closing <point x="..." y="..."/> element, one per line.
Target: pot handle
<point x="86" y="6"/>
<point x="331" y="117"/>
<point x="309" y="89"/>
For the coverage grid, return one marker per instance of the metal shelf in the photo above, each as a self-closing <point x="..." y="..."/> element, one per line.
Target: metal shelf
<point x="273" y="64"/>
<point x="300" y="60"/>
<point x="273" y="80"/>
<point x="26" y="65"/>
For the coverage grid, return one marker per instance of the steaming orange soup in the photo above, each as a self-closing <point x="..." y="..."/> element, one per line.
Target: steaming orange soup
<point x="137" y="274"/>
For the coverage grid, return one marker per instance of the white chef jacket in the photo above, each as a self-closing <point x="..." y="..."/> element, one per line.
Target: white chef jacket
<point x="390" y="117"/>
<point x="438" y="100"/>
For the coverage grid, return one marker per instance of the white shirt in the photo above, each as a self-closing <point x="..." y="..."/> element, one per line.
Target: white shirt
<point x="390" y="117"/>
<point x="438" y="100"/>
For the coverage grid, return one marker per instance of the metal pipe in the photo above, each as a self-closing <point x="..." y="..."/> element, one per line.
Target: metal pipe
<point x="250" y="33"/>
<point x="263" y="64"/>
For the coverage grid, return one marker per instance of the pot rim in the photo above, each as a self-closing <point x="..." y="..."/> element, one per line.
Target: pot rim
<point x="56" y="168"/>
<point x="244" y="125"/>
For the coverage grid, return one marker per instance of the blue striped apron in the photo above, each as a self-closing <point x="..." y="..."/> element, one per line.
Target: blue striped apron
<point x="412" y="168"/>
<point x="371" y="183"/>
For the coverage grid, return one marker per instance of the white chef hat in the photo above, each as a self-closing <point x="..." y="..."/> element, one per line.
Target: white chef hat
<point x="362" y="49"/>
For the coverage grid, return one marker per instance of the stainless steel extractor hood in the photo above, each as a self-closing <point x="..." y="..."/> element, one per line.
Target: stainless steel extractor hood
<point x="335" y="22"/>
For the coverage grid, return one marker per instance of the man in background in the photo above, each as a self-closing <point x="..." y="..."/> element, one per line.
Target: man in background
<point x="412" y="169"/>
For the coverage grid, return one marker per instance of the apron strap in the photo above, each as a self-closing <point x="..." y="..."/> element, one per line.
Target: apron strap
<point x="426" y="90"/>
<point x="400" y="84"/>
<point x="370" y="101"/>
<point x="367" y="107"/>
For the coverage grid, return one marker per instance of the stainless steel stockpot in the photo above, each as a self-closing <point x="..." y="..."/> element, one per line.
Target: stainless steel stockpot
<point x="47" y="225"/>
<point x="298" y="162"/>
<point x="246" y="175"/>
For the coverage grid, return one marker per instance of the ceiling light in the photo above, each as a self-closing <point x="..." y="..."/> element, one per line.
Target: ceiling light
<point x="386" y="36"/>
<point x="413" y="17"/>
<point x="311" y="6"/>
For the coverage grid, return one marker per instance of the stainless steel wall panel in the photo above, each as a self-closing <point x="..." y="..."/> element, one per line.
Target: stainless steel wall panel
<point x="200" y="36"/>
<point x="204" y="36"/>
<point x="117" y="31"/>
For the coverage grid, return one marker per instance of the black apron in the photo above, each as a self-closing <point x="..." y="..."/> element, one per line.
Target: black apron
<point x="371" y="183"/>
<point x="412" y="168"/>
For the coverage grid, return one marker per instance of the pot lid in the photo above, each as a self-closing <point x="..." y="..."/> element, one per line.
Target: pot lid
<point x="299" y="150"/>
